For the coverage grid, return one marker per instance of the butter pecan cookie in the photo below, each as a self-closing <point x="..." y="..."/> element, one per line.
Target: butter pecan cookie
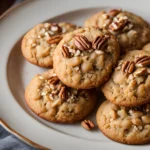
<point x="129" y="84"/>
<point x="147" y="47"/>
<point x="50" y="99"/>
<point x="129" y="125"/>
<point x="131" y="30"/>
<point x="85" y="57"/>
<point x="39" y="43"/>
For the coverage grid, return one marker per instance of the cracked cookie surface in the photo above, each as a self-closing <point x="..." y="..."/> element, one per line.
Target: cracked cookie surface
<point x="50" y="99"/>
<point x="129" y="84"/>
<point x="39" y="43"/>
<point x="131" y="30"/>
<point x="85" y="58"/>
<point x="124" y="124"/>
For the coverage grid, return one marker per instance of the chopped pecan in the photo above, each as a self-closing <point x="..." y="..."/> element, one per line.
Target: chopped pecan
<point x="56" y="28"/>
<point x="63" y="93"/>
<point x="128" y="27"/>
<point x="116" y="26"/>
<point x="53" y="80"/>
<point x="128" y="67"/>
<point x="59" y="86"/>
<point x="143" y="61"/>
<point x="65" y="51"/>
<point x="100" y="42"/>
<point x="54" y="40"/>
<point x="114" y="12"/>
<point x="87" y="124"/>
<point x="141" y="71"/>
<point x="82" y="43"/>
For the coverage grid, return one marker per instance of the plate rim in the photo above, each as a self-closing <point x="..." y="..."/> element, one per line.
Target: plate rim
<point x="13" y="7"/>
<point x="20" y="136"/>
<point x="2" y="121"/>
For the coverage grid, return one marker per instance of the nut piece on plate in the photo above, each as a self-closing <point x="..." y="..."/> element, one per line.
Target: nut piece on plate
<point x="87" y="124"/>
<point x="85" y="58"/>
<point x="129" y="85"/>
<point x="50" y="99"/>
<point x="130" y="126"/>
<point x="39" y="43"/>
<point x="131" y="30"/>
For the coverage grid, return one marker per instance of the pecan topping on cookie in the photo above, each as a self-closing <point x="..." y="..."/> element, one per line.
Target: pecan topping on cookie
<point x="56" y="28"/>
<point x="143" y="61"/>
<point x="100" y="42"/>
<point x="141" y="71"/>
<point x="53" y="80"/>
<point x="87" y="124"/>
<point x="55" y="39"/>
<point x="114" y="12"/>
<point x="65" y="52"/>
<point x="82" y="43"/>
<point x="116" y="26"/>
<point x="63" y="93"/>
<point x="128" y="67"/>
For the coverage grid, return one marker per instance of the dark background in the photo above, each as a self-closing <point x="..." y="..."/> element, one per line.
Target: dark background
<point x="5" y="4"/>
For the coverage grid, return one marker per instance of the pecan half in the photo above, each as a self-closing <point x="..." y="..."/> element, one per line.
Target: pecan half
<point x="114" y="12"/>
<point x="116" y="26"/>
<point x="63" y="93"/>
<point x="65" y="52"/>
<point x="143" y="61"/>
<point x="82" y="43"/>
<point x="100" y="42"/>
<point x="87" y="124"/>
<point x="128" y="67"/>
<point x="54" y="40"/>
<point x="56" y="28"/>
<point x="53" y="80"/>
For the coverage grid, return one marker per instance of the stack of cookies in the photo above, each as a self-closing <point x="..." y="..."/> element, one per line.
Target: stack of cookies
<point x="125" y="115"/>
<point x="100" y="55"/>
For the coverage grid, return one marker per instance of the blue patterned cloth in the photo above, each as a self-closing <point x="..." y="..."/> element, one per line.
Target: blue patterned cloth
<point x="9" y="142"/>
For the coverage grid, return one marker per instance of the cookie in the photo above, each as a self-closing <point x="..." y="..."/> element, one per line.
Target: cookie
<point x="39" y="43"/>
<point x="129" y="125"/>
<point x="50" y="99"/>
<point x="146" y="47"/>
<point x="131" y="30"/>
<point x="85" y="57"/>
<point x="129" y="84"/>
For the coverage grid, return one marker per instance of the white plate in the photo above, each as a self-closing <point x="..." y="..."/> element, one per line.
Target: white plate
<point x="16" y="73"/>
